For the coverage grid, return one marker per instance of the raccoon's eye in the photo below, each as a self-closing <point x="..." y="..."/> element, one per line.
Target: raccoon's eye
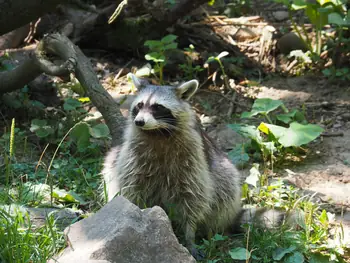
<point x="157" y="107"/>
<point x="140" y="105"/>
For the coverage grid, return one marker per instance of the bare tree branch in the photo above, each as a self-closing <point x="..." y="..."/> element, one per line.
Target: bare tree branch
<point x="20" y="76"/>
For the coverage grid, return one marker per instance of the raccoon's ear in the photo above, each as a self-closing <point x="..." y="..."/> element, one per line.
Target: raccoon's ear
<point x="137" y="82"/>
<point x="186" y="90"/>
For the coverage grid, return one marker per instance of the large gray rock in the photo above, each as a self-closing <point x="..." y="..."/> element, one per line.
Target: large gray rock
<point x="121" y="232"/>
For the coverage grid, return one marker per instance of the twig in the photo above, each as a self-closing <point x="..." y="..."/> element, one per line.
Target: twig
<point x="122" y="69"/>
<point x="41" y="157"/>
<point x="232" y="105"/>
<point x="332" y="134"/>
<point x="292" y="64"/>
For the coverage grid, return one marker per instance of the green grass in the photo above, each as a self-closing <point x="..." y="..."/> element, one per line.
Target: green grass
<point x="20" y="241"/>
<point x="25" y="181"/>
<point x="312" y="241"/>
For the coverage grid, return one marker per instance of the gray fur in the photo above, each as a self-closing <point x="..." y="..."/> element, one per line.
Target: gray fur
<point x="184" y="169"/>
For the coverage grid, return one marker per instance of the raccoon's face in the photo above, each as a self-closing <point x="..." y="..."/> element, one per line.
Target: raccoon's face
<point x="161" y="110"/>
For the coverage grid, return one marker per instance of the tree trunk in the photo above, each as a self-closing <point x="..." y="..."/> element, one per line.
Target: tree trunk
<point x="17" y="13"/>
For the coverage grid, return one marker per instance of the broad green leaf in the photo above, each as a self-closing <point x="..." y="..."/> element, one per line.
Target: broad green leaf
<point x="238" y="155"/>
<point x="44" y="132"/>
<point x="248" y="131"/>
<point x="99" y="131"/>
<point x="170" y="46"/>
<point x="62" y="195"/>
<point x="279" y="253"/>
<point x="38" y="104"/>
<point x="337" y="19"/>
<point x="168" y="39"/>
<point x="239" y="253"/>
<point x="277" y="131"/>
<point x="81" y="135"/>
<point x="312" y="14"/>
<point x="288" y="117"/>
<point x="152" y="44"/>
<point x="210" y="59"/>
<point x="299" y="4"/>
<point x="319" y="258"/>
<point x="219" y="237"/>
<point x="77" y="197"/>
<point x="254" y="176"/>
<point x="296" y="257"/>
<point x="71" y="104"/>
<point x="263" y="106"/>
<point x="247" y="114"/>
<point x="327" y="72"/>
<point x="285" y="119"/>
<point x="11" y="101"/>
<point x="36" y="124"/>
<point x="155" y="56"/>
<point x="298" y="134"/>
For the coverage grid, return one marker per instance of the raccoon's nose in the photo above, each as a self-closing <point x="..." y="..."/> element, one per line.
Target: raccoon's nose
<point x="139" y="123"/>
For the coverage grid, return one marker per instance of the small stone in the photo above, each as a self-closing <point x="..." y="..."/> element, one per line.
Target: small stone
<point x="280" y="15"/>
<point x="208" y="120"/>
<point x="290" y="42"/>
<point x="346" y="116"/>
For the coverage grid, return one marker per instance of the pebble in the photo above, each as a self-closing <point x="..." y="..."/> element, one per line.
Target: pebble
<point x="280" y="15"/>
<point x="346" y="116"/>
<point x="290" y="42"/>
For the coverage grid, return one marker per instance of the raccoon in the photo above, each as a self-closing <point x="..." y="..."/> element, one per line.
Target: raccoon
<point x="166" y="159"/>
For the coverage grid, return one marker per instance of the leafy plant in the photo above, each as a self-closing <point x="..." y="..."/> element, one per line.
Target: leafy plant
<point x="157" y="53"/>
<point x="280" y="134"/>
<point x="313" y="240"/>
<point x="190" y="70"/>
<point x="320" y="13"/>
<point x="341" y="73"/>
<point x="81" y="134"/>
<point x="21" y="242"/>
<point x="218" y="60"/>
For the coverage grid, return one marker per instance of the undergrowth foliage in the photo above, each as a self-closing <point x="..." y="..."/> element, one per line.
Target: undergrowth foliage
<point x="314" y="240"/>
<point x="20" y="241"/>
<point x="271" y="141"/>
<point x="53" y="159"/>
